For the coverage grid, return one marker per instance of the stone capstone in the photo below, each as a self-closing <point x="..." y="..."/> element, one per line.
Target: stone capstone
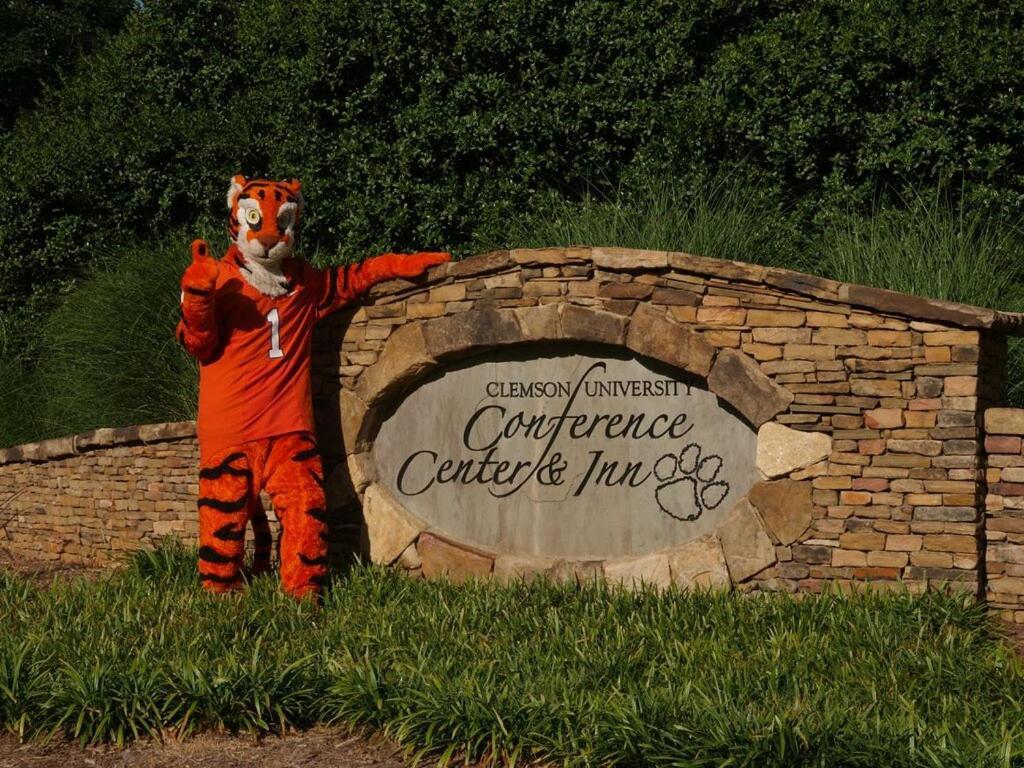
<point x="785" y="507"/>
<point x="737" y="379"/>
<point x="699" y="564"/>
<point x="389" y="529"/>
<point x="781" y="450"/>
<point x="747" y="548"/>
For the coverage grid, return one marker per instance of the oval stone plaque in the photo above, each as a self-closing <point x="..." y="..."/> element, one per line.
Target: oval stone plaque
<point x="573" y="455"/>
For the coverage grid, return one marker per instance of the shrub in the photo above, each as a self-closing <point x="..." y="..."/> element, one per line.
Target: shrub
<point x="419" y="124"/>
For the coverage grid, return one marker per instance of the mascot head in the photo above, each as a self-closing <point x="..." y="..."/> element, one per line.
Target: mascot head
<point x="264" y="219"/>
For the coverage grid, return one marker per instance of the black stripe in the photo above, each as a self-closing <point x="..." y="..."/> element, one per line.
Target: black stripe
<point x="319" y="579"/>
<point x="211" y="555"/>
<point x="309" y="453"/>
<point x="225" y="468"/>
<point x="322" y="560"/>
<point x="319" y="480"/>
<point x="263" y="541"/>
<point x="332" y="287"/>
<point x="181" y="314"/>
<point x="318" y="514"/>
<point x="229" y="533"/>
<point x="344" y="277"/>
<point x="225" y="506"/>
<point x="196" y="291"/>
<point x="218" y="579"/>
<point x="181" y="336"/>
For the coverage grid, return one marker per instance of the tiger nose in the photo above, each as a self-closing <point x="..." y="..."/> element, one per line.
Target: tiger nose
<point x="268" y="239"/>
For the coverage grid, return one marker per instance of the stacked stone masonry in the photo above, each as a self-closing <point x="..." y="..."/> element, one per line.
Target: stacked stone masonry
<point x="896" y="386"/>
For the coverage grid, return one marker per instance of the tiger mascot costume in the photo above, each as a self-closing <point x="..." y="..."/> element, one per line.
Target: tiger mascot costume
<point x="248" y="319"/>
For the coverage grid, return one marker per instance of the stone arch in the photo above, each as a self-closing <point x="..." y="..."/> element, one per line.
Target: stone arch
<point x="413" y="352"/>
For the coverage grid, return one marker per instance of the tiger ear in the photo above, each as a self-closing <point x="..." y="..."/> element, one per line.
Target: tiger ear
<point x="294" y="185"/>
<point x="237" y="182"/>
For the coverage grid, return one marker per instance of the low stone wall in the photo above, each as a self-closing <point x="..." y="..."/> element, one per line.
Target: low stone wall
<point x="896" y="387"/>
<point x="1004" y="511"/>
<point x="88" y="498"/>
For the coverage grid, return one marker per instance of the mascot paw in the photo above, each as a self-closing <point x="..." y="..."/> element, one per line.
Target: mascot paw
<point x="201" y="275"/>
<point x="416" y="264"/>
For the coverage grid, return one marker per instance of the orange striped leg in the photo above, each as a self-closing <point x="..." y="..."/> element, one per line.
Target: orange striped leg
<point x="225" y="492"/>
<point x="262" y="537"/>
<point x="295" y="483"/>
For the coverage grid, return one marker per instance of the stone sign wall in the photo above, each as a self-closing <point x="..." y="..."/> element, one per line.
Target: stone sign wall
<point x="862" y="409"/>
<point x="749" y="426"/>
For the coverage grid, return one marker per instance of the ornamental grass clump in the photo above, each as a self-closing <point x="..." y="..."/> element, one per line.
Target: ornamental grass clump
<point x="581" y="676"/>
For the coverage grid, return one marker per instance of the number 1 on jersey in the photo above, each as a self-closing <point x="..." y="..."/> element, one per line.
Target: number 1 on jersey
<point x="275" y="333"/>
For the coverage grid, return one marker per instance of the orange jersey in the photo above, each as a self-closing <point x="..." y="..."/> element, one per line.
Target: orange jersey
<point x="257" y="384"/>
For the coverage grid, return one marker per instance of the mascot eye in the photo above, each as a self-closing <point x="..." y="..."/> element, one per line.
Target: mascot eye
<point x="252" y="215"/>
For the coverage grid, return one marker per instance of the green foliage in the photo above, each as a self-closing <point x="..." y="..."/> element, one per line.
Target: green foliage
<point x="420" y="124"/>
<point x="588" y="676"/>
<point x="725" y="218"/>
<point x="108" y="356"/>
<point x="43" y="40"/>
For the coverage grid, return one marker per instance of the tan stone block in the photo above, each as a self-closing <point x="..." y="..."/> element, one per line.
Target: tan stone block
<point x="848" y="558"/>
<point x="628" y="258"/>
<point x="1004" y="421"/>
<point x="883" y="418"/>
<point x="782" y="335"/>
<point x="919" y="447"/>
<point x="775" y="318"/>
<point x="888" y="559"/>
<point x="785" y="507"/>
<point x="513" y="568"/>
<point x="782" y="450"/>
<point x="827" y="320"/>
<point x="539" y="323"/>
<point x="946" y="542"/>
<point x="864" y="540"/>
<point x="960" y="386"/>
<point x="854" y="498"/>
<point x="699" y="564"/>
<point x="458" y="563"/>
<point x="444" y="293"/>
<point x="845" y="337"/>
<point x="919" y="419"/>
<point x="737" y="379"/>
<point x="645" y="570"/>
<point x="388" y="527"/>
<point x="722" y="338"/>
<point x="763" y="351"/>
<point x="721" y="315"/>
<point x="903" y="542"/>
<point x="809" y="352"/>
<point x="951" y="338"/>
<point x="890" y="338"/>
<point x="747" y="548"/>
<point x="652" y="334"/>
<point x="876" y="387"/>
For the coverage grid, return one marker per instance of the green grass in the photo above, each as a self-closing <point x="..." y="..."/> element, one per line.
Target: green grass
<point x="576" y="676"/>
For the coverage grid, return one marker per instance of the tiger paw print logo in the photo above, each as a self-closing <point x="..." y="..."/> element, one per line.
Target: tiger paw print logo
<point x="689" y="484"/>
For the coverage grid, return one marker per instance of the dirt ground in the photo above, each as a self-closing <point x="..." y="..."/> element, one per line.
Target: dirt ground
<point x="316" y="748"/>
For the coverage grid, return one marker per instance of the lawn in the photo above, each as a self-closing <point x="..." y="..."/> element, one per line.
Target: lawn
<point x="582" y="676"/>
